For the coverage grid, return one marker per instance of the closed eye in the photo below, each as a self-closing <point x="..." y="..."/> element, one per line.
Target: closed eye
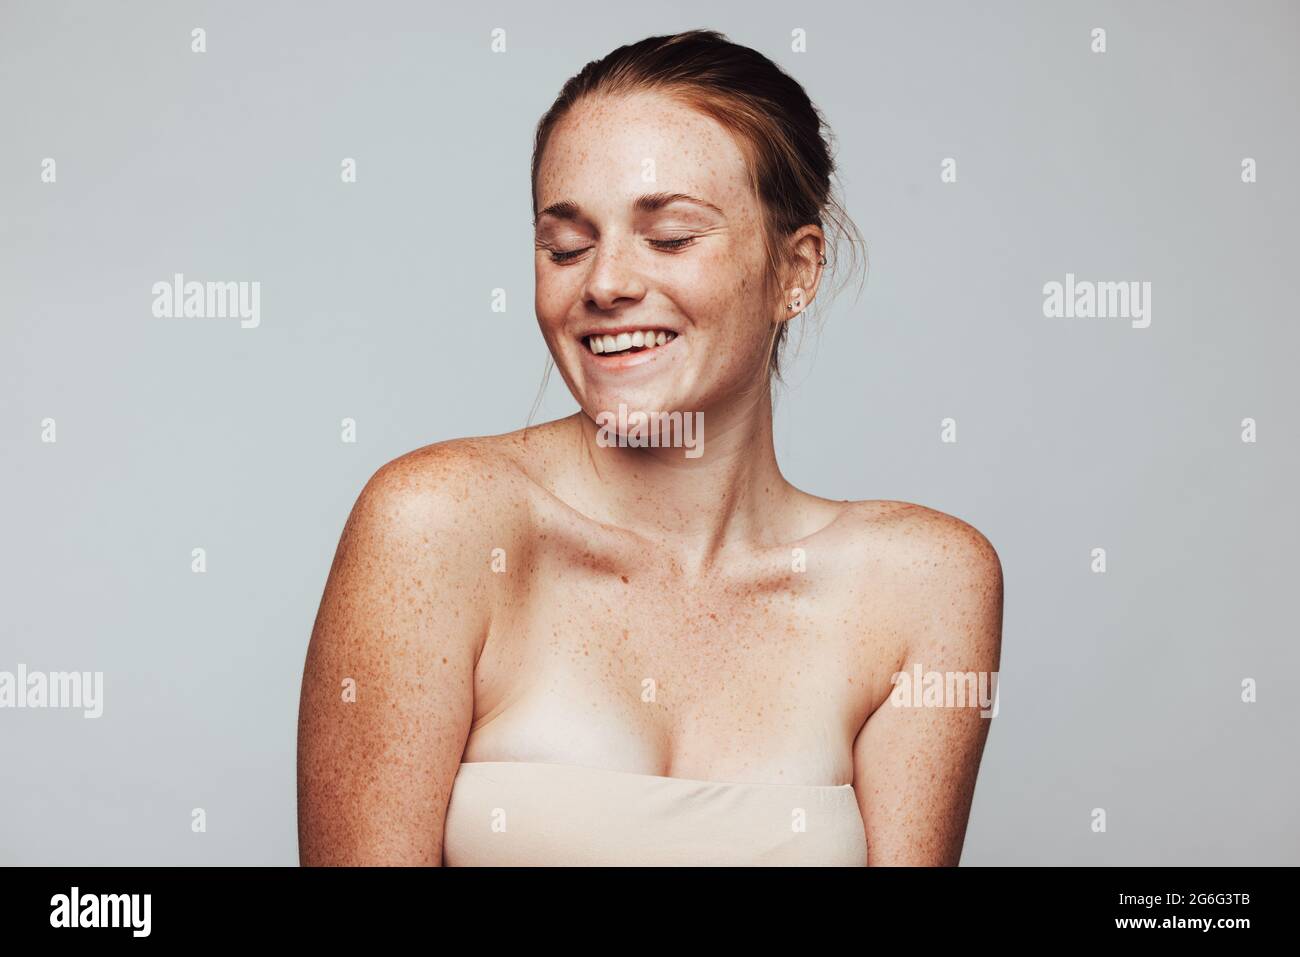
<point x="672" y="243"/>
<point x="564" y="257"/>
<point x="665" y="245"/>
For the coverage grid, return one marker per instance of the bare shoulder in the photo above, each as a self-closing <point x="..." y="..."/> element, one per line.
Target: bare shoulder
<point x="469" y="486"/>
<point x="942" y="576"/>
<point x="924" y="541"/>
<point x="447" y="507"/>
<point x="404" y="616"/>
<point x="940" y="580"/>
<point x="456" y="471"/>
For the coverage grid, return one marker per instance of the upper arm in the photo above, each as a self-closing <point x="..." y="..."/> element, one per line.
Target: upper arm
<point x="916" y="759"/>
<point x="387" y="691"/>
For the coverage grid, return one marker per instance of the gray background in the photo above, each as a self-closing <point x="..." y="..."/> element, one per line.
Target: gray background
<point x="1119" y="691"/>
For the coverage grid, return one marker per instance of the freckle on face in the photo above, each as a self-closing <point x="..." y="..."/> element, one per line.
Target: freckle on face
<point x="598" y="157"/>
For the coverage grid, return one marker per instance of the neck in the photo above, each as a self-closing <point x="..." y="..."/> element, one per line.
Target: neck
<point x="730" y="492"/>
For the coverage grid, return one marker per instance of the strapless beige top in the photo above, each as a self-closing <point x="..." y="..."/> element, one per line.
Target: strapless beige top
<point x="530" y="814"/>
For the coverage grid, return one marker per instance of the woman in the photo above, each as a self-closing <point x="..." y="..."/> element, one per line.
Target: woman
<point x="567" y="645"/>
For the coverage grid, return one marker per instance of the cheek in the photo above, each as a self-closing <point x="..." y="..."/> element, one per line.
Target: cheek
<point x="551" y="298"/>
<point x="726" y="300"/>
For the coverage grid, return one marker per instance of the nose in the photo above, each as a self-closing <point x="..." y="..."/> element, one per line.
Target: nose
<point x="614" y="279"/>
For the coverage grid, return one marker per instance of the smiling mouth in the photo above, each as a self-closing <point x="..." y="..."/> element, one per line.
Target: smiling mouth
<point x="627" y="343"/>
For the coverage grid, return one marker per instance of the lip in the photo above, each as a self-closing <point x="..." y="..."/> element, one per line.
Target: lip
<point x="626" y="360"/>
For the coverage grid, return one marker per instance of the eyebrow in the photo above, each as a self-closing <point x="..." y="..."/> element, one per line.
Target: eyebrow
<point x="648" y="203"/>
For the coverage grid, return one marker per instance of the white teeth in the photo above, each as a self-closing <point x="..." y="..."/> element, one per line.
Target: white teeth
<point x="642" y="338"/>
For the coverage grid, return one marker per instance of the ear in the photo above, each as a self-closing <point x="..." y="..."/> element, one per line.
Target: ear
<point x="803" y="273"/>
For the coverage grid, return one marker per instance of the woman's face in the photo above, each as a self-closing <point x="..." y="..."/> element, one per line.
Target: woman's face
<point x="620" y="253"/>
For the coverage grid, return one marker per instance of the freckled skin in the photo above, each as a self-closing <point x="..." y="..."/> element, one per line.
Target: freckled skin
<point x="626" y="564"/>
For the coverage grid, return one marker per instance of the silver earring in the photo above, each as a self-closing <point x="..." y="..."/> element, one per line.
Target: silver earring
<point x="822" y="260"/>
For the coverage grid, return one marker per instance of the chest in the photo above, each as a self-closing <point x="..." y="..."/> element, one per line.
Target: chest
<point x="755" y="672"/>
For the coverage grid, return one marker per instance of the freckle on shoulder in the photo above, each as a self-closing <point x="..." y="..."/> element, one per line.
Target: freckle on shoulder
<point x="919" y="535"/>
<point x="444" y="489"/>
<point x="958" y="548"/>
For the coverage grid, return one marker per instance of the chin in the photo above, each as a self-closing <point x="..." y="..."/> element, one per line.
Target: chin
<point x="647" y="402"/>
